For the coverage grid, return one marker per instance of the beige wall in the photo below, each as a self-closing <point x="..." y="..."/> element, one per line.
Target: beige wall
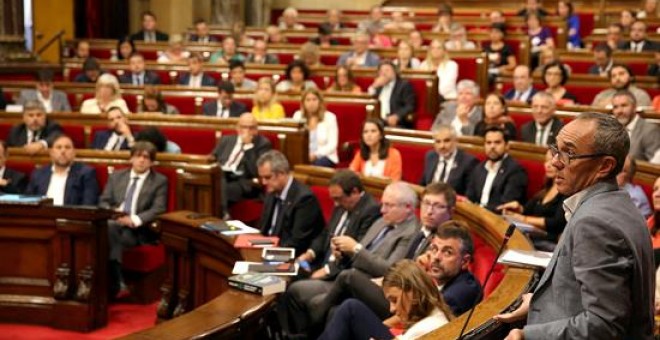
<point x="49" y="18"/>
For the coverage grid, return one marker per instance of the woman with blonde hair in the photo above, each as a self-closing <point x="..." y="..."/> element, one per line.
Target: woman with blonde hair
<point x="107" y="95"/>
<point x="405" y="56"/>
<point x="310" y="54"/>
<point x="322" y="126"/>
<point x="265" y="104"/>
<point x="415" y="301"/>
<point x="175" y="51"/>
<point x="437" y="60"/>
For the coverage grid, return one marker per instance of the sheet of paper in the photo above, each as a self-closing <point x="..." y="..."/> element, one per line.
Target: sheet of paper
<point x="533" y="258"/>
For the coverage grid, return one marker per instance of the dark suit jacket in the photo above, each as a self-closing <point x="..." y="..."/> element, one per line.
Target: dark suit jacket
<point x="194" y="37"/>
<point x="81" y="186"/>
<point x="3" y="103"/>
<point x="235" y="109"/>
<point x="649" y="46"/>
<point x="248" y="164"/>
<point x="402" y="101"/>
<point x="270" y="59"/>
<point x="18" y="133"/>
<point x="462" y="292"/>
<point x="160" y="36"/>
<point x="528" y="131"/>
<point x="83" y="78"/>
<point x="207" y="80"/>
<point x="510" y="184"/>
<point x="17" y="182"/>
<point x="101" y="139"/>
<point x="150" y="78"/>
<point x="151" y="202"/>
<point x="459" y="174"/>
<point x="509" y="95"/>
<point x="299" y="221"/>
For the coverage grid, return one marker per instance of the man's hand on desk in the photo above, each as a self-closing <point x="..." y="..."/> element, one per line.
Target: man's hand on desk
<point x="126" y="221"/>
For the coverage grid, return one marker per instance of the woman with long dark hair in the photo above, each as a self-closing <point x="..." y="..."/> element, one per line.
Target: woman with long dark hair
<point x="376" y="157"/>
<point x="654" y="221"/>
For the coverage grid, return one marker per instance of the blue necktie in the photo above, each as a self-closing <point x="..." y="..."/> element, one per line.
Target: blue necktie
<point x="381" y="236"/>
<point x="128" y="201"/>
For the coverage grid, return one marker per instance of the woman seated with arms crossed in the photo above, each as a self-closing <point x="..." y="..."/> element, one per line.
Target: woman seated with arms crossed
<point x="344" y="81"/>
<point x="437" y="60"/>
<point x="376" y="158"/>
<point x="265" y="105"/>
<point x="654" y="221"/>
<point x="322" y="126"/>
<point x="296" y="78"/>
<point x="415" y="301"/>
<point x="555" y="75"/>
<point x="106" y="96"/>
<point x="495" y="114"/>
<point x="405" y="56"/>
<point x="545" y="210"/>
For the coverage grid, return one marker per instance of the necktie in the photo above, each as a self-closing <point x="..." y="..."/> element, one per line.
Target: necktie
<point x="380" y="237"/>
<point x="416" y="245"/>
<point x="276" y="216"/>
<point x="518" y="96"/>
<point x="236" y="158"/>
<point x="128" y="200"/>
<point x="443" y="172"/>
<point x="117" y="145"/>
<point x="35" y="136"/>
<point x="342" y="228"/>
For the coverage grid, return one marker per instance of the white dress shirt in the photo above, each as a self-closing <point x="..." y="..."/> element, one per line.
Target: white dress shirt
<point x="492" y="169"/>
<point x="374" y="170"/>
<point x="47" y="102"/>
<point x="384" y="98"/>
<point x="222" y="111"/>
<point x="444" y="163"/>
<point x="196" y="81"/>
<point x="114" y="142"/>
<point x="57" y="186"/>
<point x="236" y="156"/>
<point x="542" y="133"/>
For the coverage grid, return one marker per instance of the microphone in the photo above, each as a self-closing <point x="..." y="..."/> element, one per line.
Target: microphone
<point x="507" y="236"/>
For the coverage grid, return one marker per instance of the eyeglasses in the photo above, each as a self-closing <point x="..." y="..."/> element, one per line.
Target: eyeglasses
<point x="566" y="157"/>
<point x="433" y="206"/>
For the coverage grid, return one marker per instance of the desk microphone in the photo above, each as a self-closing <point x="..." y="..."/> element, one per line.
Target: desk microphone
<point x="507" y="236"/>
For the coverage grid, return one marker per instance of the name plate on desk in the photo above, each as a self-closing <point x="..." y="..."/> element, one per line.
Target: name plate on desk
<point x="24" y="199"/>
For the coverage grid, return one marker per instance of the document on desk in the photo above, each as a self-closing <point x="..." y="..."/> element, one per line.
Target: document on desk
<point x="22" y="199"/>
<point x="238" y="227"/>
<point x="525" y="258"/>
<point x="525" y="227"/>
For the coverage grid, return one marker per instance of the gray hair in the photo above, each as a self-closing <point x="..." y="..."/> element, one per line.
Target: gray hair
<point x="33" y="105"/>
<point x="468" y="84"/>
<point x="547" y="96"/>
<point x="628" y="94"/>
<point x="277" y="160"/>
<point x="444" y="127"/>
<point x="404" y="193"/>
<point x="610" y="139"/>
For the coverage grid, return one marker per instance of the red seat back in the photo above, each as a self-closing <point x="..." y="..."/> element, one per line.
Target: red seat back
<point x="77" y="134"/>
<point x="191" y="141"/>
<point x="412" y="157"/>
<point x="484" y="255"/>
<point x="327" y="204"/>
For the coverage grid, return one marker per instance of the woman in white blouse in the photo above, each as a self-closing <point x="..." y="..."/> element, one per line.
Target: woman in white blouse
<point x="107" y="95"/>
<point x="437" y="59"/>
<point x="322" y="126"/>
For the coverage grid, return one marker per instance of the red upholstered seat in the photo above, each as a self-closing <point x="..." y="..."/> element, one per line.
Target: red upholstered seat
<point x="77" y="134"/>
<point x="191" y="141"/>
<point x="535" y="174"/>
<point x="248" y="211"/>
<point x="327" y="204"/>
<point x="519" y="119"/>
<point x="185" y="104"/>
<point x="24" y="167"/>
<point x="4" y="130"/>
<point x="412" y="156"/>
<point x="144" y="259"/>
<point x="483" y="258"/>
<point x="171" y="175"/>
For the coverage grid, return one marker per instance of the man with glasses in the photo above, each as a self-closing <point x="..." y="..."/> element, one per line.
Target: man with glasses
<point x="600" y="281"/>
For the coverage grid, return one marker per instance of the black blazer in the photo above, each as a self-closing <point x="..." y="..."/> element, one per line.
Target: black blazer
<point x="81" y="186"/>
<point x="402" y="101"/>
<point x="207" y="80"/>
<point x="150" y="78"/>
<point x="248" y="164"/>
<point x="160" y="36"/>
<point x="299" y="221"/>
<point x="18" y="133"/>
<point x="459" y="174"/>
<point x="195" y="38"/>
<point x="510" y="184"/>
<point x="101" y="139"/>
<point x="649" y="46"/>
<point x="17" y="182"/>
<point x="461" y="292"/>
<point x="528" y="131"/>
<point x="236" y="109"/>
<point x="509" y="95"/>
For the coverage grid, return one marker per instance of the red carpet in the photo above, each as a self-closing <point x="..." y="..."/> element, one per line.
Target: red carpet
<point x="122" y="319"/>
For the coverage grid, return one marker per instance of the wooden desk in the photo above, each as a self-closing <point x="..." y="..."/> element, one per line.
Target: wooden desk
<point x="54" y="266"/>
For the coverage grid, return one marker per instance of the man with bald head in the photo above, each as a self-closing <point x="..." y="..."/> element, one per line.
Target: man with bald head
<point x="523" y="89"/>
<point x="238" y="154"/>
<point x="545" y="127"/>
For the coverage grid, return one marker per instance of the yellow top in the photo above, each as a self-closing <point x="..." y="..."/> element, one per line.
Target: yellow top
<point x="275" y="111"/>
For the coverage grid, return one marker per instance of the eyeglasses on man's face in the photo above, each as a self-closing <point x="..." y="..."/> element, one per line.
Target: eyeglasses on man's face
<point x="565" y="157"/>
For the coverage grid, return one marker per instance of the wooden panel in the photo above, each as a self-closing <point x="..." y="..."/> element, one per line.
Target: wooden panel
<point x="47" y="24"/>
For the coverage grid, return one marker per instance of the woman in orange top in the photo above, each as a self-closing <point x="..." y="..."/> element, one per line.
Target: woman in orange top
<point x="376" y="158"/>
<point x="654" y="221"/>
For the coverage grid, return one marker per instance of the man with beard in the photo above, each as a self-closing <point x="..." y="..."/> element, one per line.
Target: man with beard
<point x="498" y="179"/>
<point x="118" y="136"/>
<point x="644" y="136"/>
<point x="621" y="78"/>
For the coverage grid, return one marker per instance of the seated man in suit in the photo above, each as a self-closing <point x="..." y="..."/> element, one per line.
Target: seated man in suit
<point x="603" y="60"/>
<point x="638" y="42"/>
<point x="355" y="211"/>
<point x="499" y="178"/>
<point x="224" y="106"/>
<point x="260" y="54"/>
<point x="65" y="181"/>
<point x="11" y="181"/>
<point x="523" y="89"/>
<point x="139" y="193"/>
<point x="360" y="56"/>
<point x="138" y="75"/>
<point x="306" y="302"/>
<point x="291" y="211"/>
<point x="91" y="71"/>
<point x="621" y="78"/>
<point x="149" y="33"/>
<point x="237" y="154"/>
<point x="396" y="96"/>
<point x="202" y="33"/>
<point x="36" y="132"/>
<point x="196" y="78"/>
<point x="237" y="76"/>
<point x="52" y="100"/>
<point x="464" y="113"/>
<point x="446" y="163"/>
<point x="118" y="135"/>
<point x="545" y="127"/>
<point x="644" y="135"/>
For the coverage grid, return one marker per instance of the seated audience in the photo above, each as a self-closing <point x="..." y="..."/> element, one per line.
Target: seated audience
<point x="614" y="37"/>
<point x="398" y="24"/>
<point x="376" y="157"/>
<point x="274" y="35"/>
<point x="378" y="38"/>
<point x="196" y="77"/>
<point x="118" y="135"/>
<point x="334" y="19"/>
<point x="227" y="53"/>
<point x="237" y="154"/>
<point x="497" y="17"/>
<point x="238" y="79"/>
<point x="310" y="54"/>
<point x="495" y="115"/>
<point x="464" y="113"/>
<point x="149" y="32"/>
<point x="107" y="95"/>
<point x="125" y="49"/>
<point x="322" y="127"/>
<point x="637" y="194"/>
<point x="225" y="106"/>
<point x="555" y="76"/>
<point x="156" y="137"/>
<point x="36" y="132"/>
<point x="499" y="178"/>
<point x="153" y="101"/>
<point x="82" y="49"/>
<point x="621" y="78"/>
<point x="175" y="51"/>
<point x="65" y="181"/>
<point x="201" y="34"/>
<point x="445" y="20"/>
<point x="626" y="19"/>
<point x="638" y="42"/>
<point x="239" y="32"/>
<point x="654" y="69"/>
<point x="547" y="55"/>
<point x="375" y="21"/>
<point x="501" y="59"/>
<point x="405" y="56"/>
<point x="644" y="135"/>
<point x="260" y="54"/>
<point x="539" y="35"/>
<point x="344" y="81"/>
<point x="291" y="211"/>
<point x="91" y="71"/>
<point x="446" y="162"/>
<point x="523" y="86"/>
<point x="544" y="128"/>
<point x="359" y="56"/>
<point x="653" y="222"/>
<point x="566" y="11"/>
<point x="324" y="37"/>
<point x="415" y="39"/>
<point x="437" y="59"/>
<point x="650" y="10"/>
<point x="533" y="7"/>
<point x="396" y="96"/>
<point x="11" y="181"/>
<point x="296" y="78"/>
<point x="545" y="210"/>
<point x="138" y="75"/>
<point x="603" y="61"/>
<point x="52" y="100"/>
<point x="139" y="193"/>
<point x="289" y="20"/>
<point x="265" y="104"/>
<point x="458" y="40"/>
